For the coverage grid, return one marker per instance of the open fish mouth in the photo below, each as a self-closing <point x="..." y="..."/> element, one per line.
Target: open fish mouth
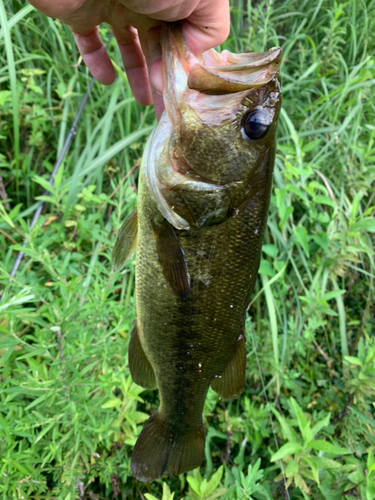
<point x="214" y="73"/>
<point x="242" y="71"/>
<point x="210" y="90"/>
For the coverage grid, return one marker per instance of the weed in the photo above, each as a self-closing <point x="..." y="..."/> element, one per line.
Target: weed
<point x="69" y="413"/>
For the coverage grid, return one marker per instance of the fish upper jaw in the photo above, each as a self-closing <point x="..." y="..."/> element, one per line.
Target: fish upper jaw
<point x="212" y="73"/>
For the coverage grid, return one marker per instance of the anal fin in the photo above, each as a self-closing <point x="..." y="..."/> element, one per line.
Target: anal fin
<point x="230" y="383"/>
<point x="140" y="368"/>
<point x="172" y="258"/>
<point x="126" y="241"/>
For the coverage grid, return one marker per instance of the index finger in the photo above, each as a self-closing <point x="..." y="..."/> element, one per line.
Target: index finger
<point x="95" y="55"/>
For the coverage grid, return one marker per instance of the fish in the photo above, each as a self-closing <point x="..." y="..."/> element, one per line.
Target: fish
<point x="203" y="199"/>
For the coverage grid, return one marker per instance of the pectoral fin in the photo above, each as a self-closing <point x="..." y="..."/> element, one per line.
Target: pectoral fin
<point x="171" y="258"/>
<point x="230" y="383"/>
<point x="126" y="241"/>
<point x="140" y="368"/>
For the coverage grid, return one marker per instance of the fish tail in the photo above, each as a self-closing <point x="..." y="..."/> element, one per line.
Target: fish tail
<point x="162" y="448"/>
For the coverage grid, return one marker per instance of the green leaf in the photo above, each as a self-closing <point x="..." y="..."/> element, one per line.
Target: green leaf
<point x="325" y="463"/>
<point x="202" y="487"/>
<point x="287" y="430"/>
<point x="44" y="431"/>
<point x="356" y="477"/>
<point x="33" y="353"/>
<point x="213" y="482"/>
<point x="327" y="447"/>
<point x="59" y="176"/>
<point x="319" y="425"/>
<point x="301" y="483"/>
<point x="370" y="489"/>
<point x="6" y="217"/>
<point x="89" y="367"/>
<point x="150" y="497"/>
<point x="295" y="190"/>
<point x="366" y="224"/>
<point x="333" y="294"/>
<point x="270" y="250"/>
<point x="328" y="494"/>
<point x="313" y="467"/>
<point x="353" y="360"/>
<point x="370" y="459"/>
<point x="7" y="354"/>
<point x="287" y="449"/>
<point x="266" y="268"/>
<point x="112" y="403"/>
<point x="324" y="200"/>
<point x="291" y="469"/>
<point x="303" y="423"/>
<point x="167" y="495"/>
<point x="301" y="237"/>
<point x="285" y="214"/>
<point x="20" y="467"/>
<point x="36" y="402"/>
<point x="44" y="183"/>
<point x="194" y="485"/>
<point x="217" y="494"/>
<point x="4" y="427"/>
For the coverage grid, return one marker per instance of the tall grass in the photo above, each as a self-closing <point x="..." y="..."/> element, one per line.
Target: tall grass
<point x="69" y="413"/>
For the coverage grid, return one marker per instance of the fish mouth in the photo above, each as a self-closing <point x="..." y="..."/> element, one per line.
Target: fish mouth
<point x="242" y="72"/>
<point x="208" y="90"/>
<point x="214" y="73"/>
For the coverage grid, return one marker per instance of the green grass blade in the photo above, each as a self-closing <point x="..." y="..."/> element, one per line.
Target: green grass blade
<point x="13" y="87"/>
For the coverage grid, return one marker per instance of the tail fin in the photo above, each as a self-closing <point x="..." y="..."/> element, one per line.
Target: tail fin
<point x="161" y="448"/>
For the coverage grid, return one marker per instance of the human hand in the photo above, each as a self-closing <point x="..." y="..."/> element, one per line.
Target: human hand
<point x="136" y="26"/>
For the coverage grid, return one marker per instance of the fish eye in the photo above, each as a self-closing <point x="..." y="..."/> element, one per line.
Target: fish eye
<point x="256" y="124"/>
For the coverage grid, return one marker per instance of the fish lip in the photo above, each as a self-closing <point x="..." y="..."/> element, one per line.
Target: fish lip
<point x="243" y="72"/>
<point x="249" y="61"/>
<point x="212" y="73"/>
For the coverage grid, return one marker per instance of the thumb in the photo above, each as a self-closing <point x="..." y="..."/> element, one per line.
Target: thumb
<point x="208" y="26"/>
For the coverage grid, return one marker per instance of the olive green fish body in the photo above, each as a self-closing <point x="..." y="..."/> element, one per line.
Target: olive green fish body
<point x="203" y="202"/>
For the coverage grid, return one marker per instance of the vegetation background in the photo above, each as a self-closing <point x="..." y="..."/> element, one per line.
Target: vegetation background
<point x="69" y="413"/>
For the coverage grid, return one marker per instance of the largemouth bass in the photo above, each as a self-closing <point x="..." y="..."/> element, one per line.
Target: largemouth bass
<point x="204" y="192"/>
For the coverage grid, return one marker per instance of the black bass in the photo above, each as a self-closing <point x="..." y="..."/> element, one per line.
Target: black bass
<point x="204" y="192"/>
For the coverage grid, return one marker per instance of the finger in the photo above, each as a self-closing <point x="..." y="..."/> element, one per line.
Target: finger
<point x="208" y="26"/>
<point x="205" y="22"/>
<point x="95" y="55"/>
<point x="158" y="104"/>
<point x="134" y="63"/>
<point x="150" y="43"/>
<point x="155" y="59"/>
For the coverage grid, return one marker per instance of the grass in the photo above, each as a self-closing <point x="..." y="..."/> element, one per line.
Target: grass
<point x="69" y="413"/>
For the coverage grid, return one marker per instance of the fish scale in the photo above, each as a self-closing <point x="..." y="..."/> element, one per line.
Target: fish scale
<point x="203" y="200"/>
